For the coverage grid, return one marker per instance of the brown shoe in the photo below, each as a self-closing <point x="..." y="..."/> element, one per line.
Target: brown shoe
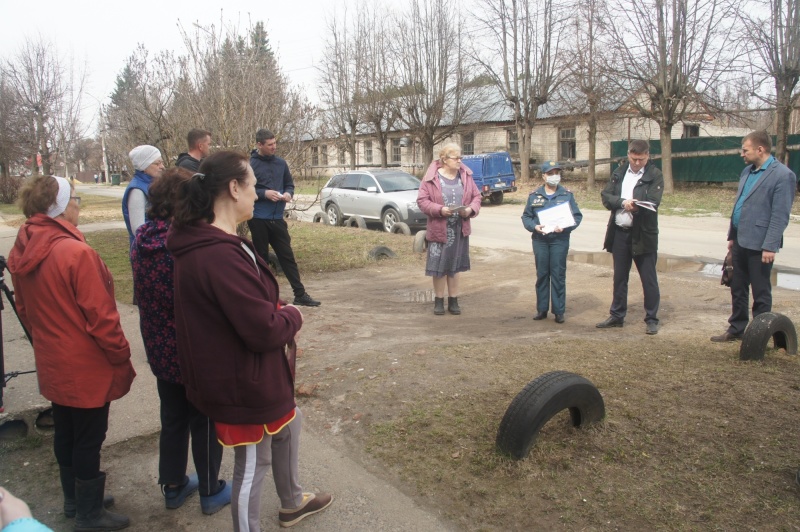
<point x="726" y="337"/>
<point x="312" y="503"/>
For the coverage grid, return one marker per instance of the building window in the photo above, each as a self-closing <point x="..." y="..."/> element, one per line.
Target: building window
<point x="323" y="155"/>
<point x="314" y="155"/>
<point x="368" y="151"/>
<point x="513" y="142"/>
<point x="690" y="131"/>
<point x="468" y="144"/>
<point x="395" y="150"/>
<point x="567" y="146"/>
<point x="342" y="153"/>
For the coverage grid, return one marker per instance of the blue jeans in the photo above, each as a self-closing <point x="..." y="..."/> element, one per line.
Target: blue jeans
<point x="550" y="254"/>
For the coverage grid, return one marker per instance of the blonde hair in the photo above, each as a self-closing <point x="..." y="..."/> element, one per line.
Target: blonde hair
<point x="447" y="150"/>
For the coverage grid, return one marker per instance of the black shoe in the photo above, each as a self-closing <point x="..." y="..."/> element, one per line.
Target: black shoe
<point x="90" y="513"/>
<point x="726" y="337"/>
<point x="306" y="301"/>
<point x="452" y="306"/>
<point x="438" y="306"/>
<point x="652" y="328"/>
<point x="540" y="315"/>
<point x="559" y="318"/>
<point x="610" y="322"/>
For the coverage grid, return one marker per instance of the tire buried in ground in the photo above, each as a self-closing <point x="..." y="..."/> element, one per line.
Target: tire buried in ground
<point x="401" y="228"/>
<point x="420" y="242"/>
<point x="539" y="401"/>
<point x="321" y="217"/>
<point x="356" y="221"/>
<point x="381" y="252"/>
<point x="763" y="327"/>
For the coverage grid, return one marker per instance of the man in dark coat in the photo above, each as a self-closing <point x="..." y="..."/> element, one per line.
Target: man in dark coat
<point x="633" y="194"/>
<point x="199" y="142"/>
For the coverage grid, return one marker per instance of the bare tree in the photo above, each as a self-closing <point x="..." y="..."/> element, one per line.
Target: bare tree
<point x="17" y="139"/>
<point x="520" y="59"/>
<point x="432" y="71"/>
<point x="671" y="52"/>
<point x="772" y="33"/>
<point x="47" y="93"/>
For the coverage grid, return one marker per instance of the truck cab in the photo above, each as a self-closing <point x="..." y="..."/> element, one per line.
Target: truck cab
<point x="493" y="174"/>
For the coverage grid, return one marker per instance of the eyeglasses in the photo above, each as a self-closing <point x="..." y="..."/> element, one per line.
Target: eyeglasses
<point x="77" y="200"/>
<point x="455" y="158"/>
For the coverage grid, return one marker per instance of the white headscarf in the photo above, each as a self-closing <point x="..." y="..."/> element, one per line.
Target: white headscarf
<point x="62" y="198"/>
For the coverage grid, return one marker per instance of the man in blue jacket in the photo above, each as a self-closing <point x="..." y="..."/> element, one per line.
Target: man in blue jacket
<point x="760" y="215"/>
<point x="274" y="187"/>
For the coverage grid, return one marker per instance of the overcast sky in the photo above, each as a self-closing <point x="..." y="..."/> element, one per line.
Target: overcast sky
<point x="105" y="34"/>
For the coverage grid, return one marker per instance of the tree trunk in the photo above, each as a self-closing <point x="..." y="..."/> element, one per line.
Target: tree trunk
<point x="426" y="143"/>
<point x="352" y="148"/>
<point x="783" y="112"/>
<point x="666" y="157"/>
<point x="592" y="149"/>
<point x="524" y="143"/>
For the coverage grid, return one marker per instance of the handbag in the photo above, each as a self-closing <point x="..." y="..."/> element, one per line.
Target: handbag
<point x="727" y="270"/>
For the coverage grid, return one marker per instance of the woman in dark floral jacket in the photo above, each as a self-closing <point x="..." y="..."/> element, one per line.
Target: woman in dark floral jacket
<point x="152" y="273"/>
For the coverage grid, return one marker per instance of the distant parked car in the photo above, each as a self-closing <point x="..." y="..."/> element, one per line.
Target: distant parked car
<point x="381" y="195"/>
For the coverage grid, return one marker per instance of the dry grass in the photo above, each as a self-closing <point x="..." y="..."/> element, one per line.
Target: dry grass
<point x="94" y="209"/>
<point x="693" y="438"/>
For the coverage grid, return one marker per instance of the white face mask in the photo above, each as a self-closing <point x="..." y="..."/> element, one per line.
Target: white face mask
<point x="553" y="180"/>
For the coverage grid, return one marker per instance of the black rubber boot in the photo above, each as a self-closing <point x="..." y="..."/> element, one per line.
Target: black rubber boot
<point x="91" y="515"/>
<point x="452" y="305"/>
<point x="438" y="306"/>
<point x="68" y="487"/>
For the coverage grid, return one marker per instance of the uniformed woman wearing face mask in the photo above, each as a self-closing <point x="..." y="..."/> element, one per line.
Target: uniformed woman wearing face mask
<point x="550" y="242"/>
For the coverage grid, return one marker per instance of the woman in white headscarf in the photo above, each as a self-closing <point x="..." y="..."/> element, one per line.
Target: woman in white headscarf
<point x="65" y="298"/>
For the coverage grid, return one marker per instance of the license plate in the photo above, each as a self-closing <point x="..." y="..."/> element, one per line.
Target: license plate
<point x="499" y="185"/>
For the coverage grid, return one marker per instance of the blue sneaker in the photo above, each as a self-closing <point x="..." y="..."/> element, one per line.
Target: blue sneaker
<point x="175" y="497"/>
<point x="212" y="504"/>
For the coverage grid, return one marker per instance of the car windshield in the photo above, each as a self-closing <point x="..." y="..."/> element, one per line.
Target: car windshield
<point x="397" y="182"/>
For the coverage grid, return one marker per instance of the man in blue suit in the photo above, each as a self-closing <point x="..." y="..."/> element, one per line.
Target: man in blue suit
<point x="760" y="215"/>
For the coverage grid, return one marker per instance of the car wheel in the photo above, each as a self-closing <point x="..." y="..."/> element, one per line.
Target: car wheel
<point x="540" y="400"/>
<point x="763" y="327"/>
<point x="496" y="198"/>
<point x="420" y="241"/>
<point x="389" y="218"/>
<point x="401" y="228"/>
<point x="356" y="221"/>
<point x="334" y="215"/>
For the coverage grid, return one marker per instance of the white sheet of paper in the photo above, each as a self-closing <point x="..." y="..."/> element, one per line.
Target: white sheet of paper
<point x="558" y="216"/>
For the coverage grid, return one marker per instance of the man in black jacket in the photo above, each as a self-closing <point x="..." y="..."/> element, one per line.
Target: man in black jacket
<point x="633" y="194"/>
<point x="199" y="141"/>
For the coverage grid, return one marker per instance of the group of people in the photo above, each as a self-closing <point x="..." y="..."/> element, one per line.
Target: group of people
<point x="203" y="290"/>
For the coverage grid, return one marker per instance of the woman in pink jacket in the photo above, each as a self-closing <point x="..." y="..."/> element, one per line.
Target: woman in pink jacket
<point x="65" y="298"/>
<point x="449" y="197"/>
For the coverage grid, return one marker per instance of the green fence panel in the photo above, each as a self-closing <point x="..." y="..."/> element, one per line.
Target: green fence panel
<point x="715" y="169"/>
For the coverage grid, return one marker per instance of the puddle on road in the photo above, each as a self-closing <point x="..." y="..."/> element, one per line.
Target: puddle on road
<point x="788" y="278"/>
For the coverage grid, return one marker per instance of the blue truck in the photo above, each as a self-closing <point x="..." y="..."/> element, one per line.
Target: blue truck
<point x="493" y="174"/>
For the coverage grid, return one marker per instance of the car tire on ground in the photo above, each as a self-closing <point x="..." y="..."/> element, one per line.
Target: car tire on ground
<point x="389" y="218"/>
<point x="321" y="217"/>
<point x="381" y="252"/>
<point x="334" y="215"/>
<point x="496" y="198"/>
<point x="420" y="242"/>
<point x="539" y="401"/>
<point x="290" y="214"/>
<point x="401" y="228"/>
<point x="763" y="327"/>
<point x="274" y="263"/>
<point x="356" y="221"/>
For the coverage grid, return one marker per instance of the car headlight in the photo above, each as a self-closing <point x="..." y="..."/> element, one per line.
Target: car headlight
<point x="412" y="206"/>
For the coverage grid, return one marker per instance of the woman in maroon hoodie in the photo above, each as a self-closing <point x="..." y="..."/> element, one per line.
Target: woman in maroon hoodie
<point x="65" y="298"/>
<point x="232" y="336"/>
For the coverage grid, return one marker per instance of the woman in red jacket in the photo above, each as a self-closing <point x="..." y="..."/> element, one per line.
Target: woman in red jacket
<point x="65" y="298"/>
<point x="449" y="197"/>
<point x="232" y="332"/>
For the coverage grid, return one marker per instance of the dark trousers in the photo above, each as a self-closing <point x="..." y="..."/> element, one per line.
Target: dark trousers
<point x="622" y="252"/>
<point x="79" y="434"/>
<point x="275" y="233"/>
<point x="550" y="255"/>
<point x="748" y="271"/>
<point x="179" y="418"/>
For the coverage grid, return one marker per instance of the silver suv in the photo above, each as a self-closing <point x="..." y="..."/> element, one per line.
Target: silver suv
<point x="384" y="195"/>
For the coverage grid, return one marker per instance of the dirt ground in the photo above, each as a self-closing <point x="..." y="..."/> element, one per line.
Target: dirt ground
<point x="377" y="366"/>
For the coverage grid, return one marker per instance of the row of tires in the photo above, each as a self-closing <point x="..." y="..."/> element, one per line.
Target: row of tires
<point x="420" y="243"/>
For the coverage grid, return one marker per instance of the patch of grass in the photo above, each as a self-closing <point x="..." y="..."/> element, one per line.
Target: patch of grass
<point x="318" y="248"/>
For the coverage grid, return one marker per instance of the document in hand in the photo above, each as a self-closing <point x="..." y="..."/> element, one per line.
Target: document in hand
<point x="649" y="205"/>
<point x="558" y="216"/>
